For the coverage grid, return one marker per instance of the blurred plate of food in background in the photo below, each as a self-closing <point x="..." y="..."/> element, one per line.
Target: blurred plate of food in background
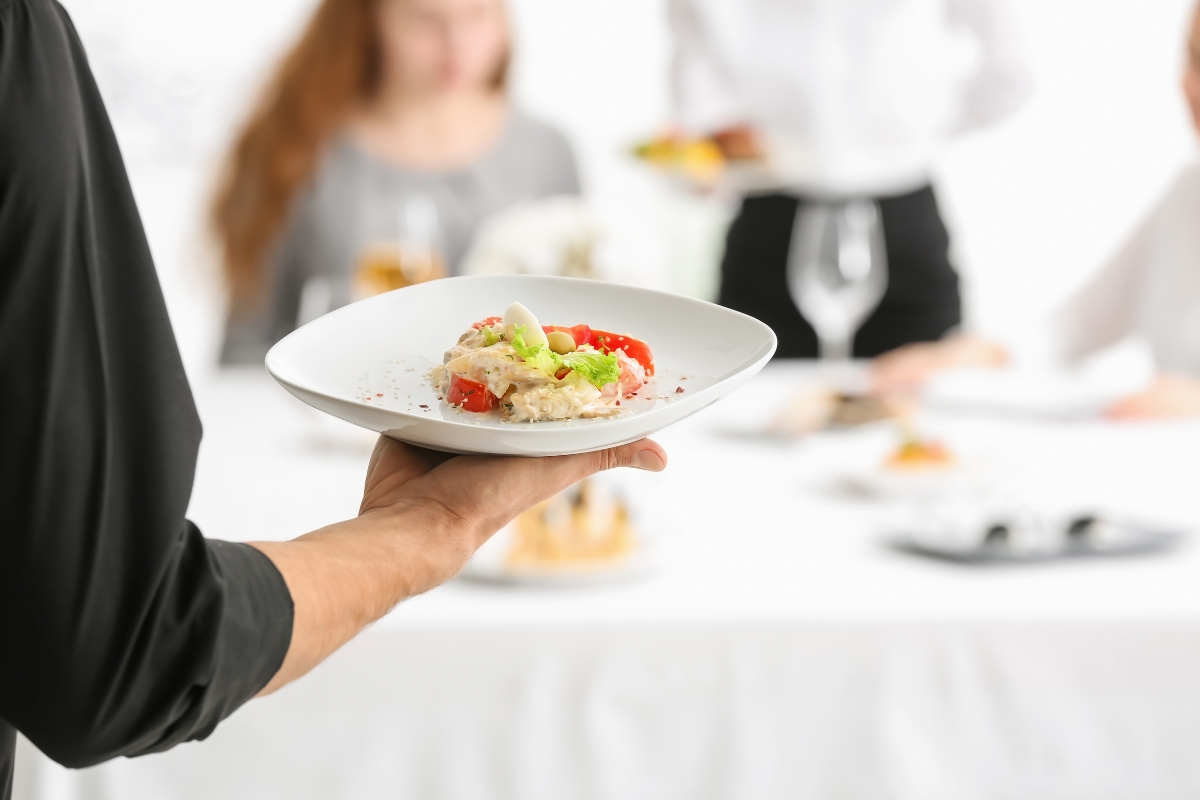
<point x="921" y="467"/>
<point x="582" y="536"/>
<point x="818" y="408"/>
<point x="373" y="362"/>
<point x="812" y="408"/>
<point x="733" y="160"/>
<point x="1016" y="535"/>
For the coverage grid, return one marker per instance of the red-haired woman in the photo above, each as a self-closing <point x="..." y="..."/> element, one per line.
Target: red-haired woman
<point x="123" y="630"/>
<point x="383" y="108"/>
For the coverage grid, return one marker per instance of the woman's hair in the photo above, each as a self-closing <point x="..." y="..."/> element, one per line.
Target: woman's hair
<point x="332" y="70"/>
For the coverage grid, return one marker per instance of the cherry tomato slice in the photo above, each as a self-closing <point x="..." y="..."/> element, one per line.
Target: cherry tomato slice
<point x="487" y="323"/>
<point x="582" y="334"/>
<point x="469" y="395"/>
<point x="636" y="349"/>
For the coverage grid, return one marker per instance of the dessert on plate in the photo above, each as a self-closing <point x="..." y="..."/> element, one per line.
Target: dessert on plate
<point x="702" y="159"/>
<point x="920" y="455"/>
<point x="582" y="527"/>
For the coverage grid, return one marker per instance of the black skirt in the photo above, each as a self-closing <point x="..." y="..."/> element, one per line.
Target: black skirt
<point x="922" y="302"/>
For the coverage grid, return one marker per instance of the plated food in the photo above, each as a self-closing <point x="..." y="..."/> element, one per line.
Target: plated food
<point x="703" y="160"/>
<point x="814" y="409"/>
<point x="526" y="372"/>
<point x="584" y="527"/>
<point x="1029" y="537"/>
<point x="922" y="469"/>
<point x="585" y="535"/>
<point x="370" y="362"/>
<point x="919" y="455"/>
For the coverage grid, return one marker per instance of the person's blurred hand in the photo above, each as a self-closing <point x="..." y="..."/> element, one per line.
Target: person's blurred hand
<point x="451" y="505"/>
<point x="907" y="368"/>
<point x="1170" y="396"/>
<point x="740" y="143"/>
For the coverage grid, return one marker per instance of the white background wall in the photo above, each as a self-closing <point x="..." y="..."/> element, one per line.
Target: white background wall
<point x="1035" y="204"/>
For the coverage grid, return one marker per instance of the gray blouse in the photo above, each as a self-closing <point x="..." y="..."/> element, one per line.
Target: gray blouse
<point x="355" y="200"/>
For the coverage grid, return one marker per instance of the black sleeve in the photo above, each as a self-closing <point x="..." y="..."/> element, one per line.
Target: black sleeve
<point x="122" y="629"/>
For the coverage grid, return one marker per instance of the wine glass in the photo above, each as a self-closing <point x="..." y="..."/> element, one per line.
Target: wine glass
<point x="837" y="270"/>
<point x="404" y="248"/>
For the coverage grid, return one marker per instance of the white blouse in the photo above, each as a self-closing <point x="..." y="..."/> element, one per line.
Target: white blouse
<point x="853" y="96"/>
<point x="1150" y="288"/>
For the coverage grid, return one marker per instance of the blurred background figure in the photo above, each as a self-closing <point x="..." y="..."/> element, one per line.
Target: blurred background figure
<point x="384" y="139"/>
<point x="848" y="102"/>
<point x="1149" y="289"/>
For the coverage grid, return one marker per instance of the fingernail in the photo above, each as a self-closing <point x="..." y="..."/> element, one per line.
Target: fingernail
<point x="649" y="461"/>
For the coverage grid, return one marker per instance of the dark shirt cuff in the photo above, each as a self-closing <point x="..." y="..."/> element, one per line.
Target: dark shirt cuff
<point x="256" y="631"/>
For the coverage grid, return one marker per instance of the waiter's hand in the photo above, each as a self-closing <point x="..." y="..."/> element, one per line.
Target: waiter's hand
<point x="423" y="515"/>
<point x="1170" y="396"/>
<point x="460" y="501"/>
<point x="740" y="143"/>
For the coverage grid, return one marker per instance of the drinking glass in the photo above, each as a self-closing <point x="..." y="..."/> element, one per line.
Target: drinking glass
<point x="837" y="270"/>
<point x="405" y="248"/>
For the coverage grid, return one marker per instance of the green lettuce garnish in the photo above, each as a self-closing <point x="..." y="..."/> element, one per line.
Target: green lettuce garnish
<point x="537" y="355"/>
<point x="544" y="359"/>
<point x="490" y="337"/>
<point x="599" y="369"/>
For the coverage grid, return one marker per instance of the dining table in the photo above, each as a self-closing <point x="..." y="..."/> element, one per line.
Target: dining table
<point x="778" y="644"/>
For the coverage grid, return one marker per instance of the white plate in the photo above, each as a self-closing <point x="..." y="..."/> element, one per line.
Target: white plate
<point x="1020" y="392"/>
<point x="972" y="477"/>
<point x="368" y="362"/>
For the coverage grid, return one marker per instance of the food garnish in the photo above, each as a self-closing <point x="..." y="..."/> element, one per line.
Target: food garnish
<point x="917" y="454"/>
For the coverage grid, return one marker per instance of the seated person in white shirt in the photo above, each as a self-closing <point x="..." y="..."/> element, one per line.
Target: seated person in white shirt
<point x="1150" y="289"/>
<point x="863" y="93"/>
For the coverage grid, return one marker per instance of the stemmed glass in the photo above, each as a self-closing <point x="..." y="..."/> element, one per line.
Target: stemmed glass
<point x="406" y="248"/>
<point x="837" y="270"/>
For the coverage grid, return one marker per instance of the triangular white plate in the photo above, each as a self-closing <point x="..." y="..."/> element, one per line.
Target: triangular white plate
<point x="368" y="362"/>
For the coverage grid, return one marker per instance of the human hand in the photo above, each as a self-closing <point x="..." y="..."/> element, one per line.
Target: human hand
<point x="1170" y="396"/>
<point x="451" y="505"/>
<point x="907" y="368"/>
<point x="423" y="514"/>
<point x="740" y="143"/>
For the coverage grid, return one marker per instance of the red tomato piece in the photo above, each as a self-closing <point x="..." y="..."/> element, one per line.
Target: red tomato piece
<point x="470" y="396"/>
<point x="636" y="349"/>
<point x="582" y="334"/>
<point x="487" y="323"/>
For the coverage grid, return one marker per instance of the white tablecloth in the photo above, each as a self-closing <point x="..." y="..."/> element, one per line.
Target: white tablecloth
<point x="780" y="650"/>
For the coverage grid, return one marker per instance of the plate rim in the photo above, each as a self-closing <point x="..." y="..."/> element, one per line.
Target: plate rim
<point x="532" y="429"/>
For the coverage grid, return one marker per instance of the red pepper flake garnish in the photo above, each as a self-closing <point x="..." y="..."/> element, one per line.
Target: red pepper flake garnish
<point x="618" y="402"/>
<point x="379" y="394"/>
<point x="424" y="406"/>
<point x="678" y="390"/>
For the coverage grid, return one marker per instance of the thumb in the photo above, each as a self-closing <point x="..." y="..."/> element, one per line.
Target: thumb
<point x="644" y="454"/>
<point x="558" y="472"/>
